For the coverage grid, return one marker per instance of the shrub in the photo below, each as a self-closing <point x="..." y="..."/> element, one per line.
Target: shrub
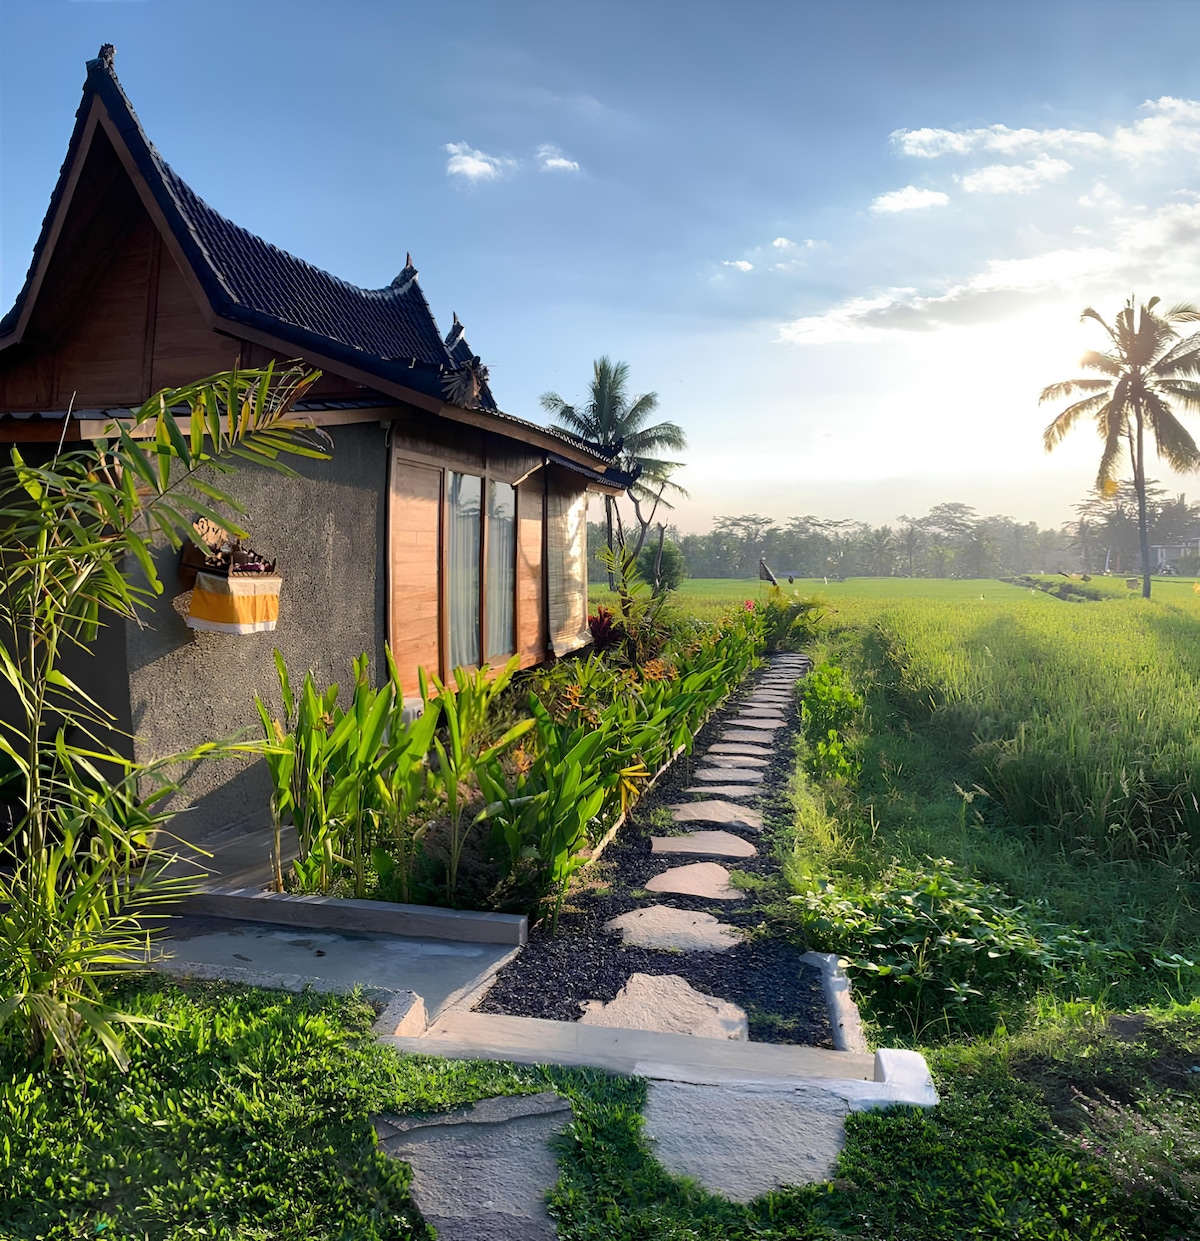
<point x="931" y="949"/>
<point x="829" y="707"/>
<point x="670" y="566"/>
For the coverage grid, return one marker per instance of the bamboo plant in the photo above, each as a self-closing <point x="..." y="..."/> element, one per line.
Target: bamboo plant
<point x="84" y="861"/>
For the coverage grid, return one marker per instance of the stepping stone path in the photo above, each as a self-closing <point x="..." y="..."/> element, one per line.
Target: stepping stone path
<point x="733" y="768"/>
<point x="670" y="1005"/>
<point x="660" y="926"/>
<point x="704" y="844"/>
<point x="699" y="879"/>
<point x="481" y="1173"/>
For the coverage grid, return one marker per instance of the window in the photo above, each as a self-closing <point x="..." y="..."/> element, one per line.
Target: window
<point x="464" y="495"/>
<point x="482" y="584"/>
<point x="501" y="579"/>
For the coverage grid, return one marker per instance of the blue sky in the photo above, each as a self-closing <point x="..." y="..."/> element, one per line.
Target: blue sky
<point x="846" y="243"/>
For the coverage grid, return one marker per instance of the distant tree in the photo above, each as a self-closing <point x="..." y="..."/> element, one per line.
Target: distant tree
<point x="610" y="416"/>
<point x="1148" y="367"/>
<point x="912" y="538"/>
<point x="662" y="565"/>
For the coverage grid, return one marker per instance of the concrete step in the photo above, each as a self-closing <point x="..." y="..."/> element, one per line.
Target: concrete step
<point x="643" y="1053"/>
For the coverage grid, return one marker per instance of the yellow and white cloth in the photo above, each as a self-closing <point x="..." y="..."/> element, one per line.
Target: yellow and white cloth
<point x="240" y="603"/>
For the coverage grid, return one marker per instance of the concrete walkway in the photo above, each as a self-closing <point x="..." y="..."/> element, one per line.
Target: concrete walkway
<point x="440" y="971"/>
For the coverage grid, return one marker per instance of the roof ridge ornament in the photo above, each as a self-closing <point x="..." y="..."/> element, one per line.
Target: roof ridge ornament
<point x="404" y="280"/>
<point x="106" y="56"/>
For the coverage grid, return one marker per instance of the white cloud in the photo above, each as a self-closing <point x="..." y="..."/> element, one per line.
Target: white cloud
<point x="783" y="243"/>
<point x="740" y="264"/>
<point x="1100" y="196"/>
<point x="475" y="166"/>
<point x="1166" y="125"/>
<point x="996" y="139"/>
<point x="551" y="159"/>
<point x="909" y="199"/>
<point x="1015" y="178"/>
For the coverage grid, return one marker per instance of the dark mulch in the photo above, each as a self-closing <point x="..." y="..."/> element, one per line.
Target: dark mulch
<point x="781" y="995"/>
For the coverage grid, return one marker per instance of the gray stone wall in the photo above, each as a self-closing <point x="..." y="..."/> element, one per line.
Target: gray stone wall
<point x="328" y="530"/>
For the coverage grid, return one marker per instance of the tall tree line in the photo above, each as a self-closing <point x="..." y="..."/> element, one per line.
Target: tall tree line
<point x="951" y="540"/>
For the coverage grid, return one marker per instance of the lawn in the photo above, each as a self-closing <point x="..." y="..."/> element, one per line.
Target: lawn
<point x="246" y="1117"/>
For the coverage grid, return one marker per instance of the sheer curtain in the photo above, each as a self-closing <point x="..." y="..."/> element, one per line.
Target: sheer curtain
<point x="465" y="497"/>
<point x="501" y="570"/>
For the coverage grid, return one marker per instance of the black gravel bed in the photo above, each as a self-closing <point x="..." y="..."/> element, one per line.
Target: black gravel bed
<point x="781" y="995"/>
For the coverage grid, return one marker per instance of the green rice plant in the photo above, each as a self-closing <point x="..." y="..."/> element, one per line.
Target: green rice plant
<point x="829" y="708"/>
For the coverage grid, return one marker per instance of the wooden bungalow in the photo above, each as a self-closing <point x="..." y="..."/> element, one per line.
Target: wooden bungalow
<point x="441" y="525"/>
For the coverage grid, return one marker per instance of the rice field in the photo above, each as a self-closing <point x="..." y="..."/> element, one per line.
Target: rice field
<point x="1048" y="745"/>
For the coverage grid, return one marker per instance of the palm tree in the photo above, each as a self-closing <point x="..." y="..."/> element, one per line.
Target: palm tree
<point x="614" y="419"/>
<point x="1148" y="367"/>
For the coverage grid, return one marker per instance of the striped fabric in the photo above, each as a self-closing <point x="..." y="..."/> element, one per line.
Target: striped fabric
<point x="241" y="603"/>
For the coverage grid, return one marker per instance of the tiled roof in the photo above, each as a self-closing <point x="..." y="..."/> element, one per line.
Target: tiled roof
<point x="387" y="333"/>
<point x="392" y="323"/>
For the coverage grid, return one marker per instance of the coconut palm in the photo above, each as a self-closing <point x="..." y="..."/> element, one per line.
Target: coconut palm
<point x="614" y="419"/>
<point x="1149" y="368"/>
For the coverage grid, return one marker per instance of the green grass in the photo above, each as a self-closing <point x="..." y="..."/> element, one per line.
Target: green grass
<point x="247" y="1117"/>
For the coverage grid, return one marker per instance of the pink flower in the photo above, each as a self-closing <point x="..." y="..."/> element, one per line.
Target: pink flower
<point x="749" y="605"/>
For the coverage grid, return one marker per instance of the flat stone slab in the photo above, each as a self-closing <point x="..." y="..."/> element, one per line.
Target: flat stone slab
<point x="761" y="713"/>
<point x="747" y="722"/>
<point x="742" y="1142"/>
<point x="704" y="844"/>
<point x="723" y="812"/>
<point x="667" y="1004"/>
<point x="741" y="775"/>
<point x="481" y="1173"/>
<point x="660" y="926"/>
<point x="724" y="790"/>
<point x="740" y="747"/>
<point x="736" y="760"/>
<point x="741" y="733"/>
<point x="699" y="879"/>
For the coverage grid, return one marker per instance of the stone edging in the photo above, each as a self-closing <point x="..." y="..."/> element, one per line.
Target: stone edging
<point x="337" y="914"/>
<point x="844" y="1019"/>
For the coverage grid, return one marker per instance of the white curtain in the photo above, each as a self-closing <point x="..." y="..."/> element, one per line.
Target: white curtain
<point x="501" y="570"/>
<point x="566" y="546"/>
<point x="465" y="496"/>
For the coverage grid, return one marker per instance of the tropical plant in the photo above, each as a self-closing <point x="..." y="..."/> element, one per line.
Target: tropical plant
<point x="345" y="776"/>
<point x="83" y="865"/>
<point x="1148" y="369"/>
<point x="614" y="419"/>
<point x="465" y="712"/>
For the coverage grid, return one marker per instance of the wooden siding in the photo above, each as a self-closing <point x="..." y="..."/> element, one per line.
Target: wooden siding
<point x="99" y="361"/>
<point x="184" y="348"/>
<point x="414" y="549"/>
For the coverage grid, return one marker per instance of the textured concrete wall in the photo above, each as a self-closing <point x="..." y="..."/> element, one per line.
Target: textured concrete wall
<point x="327" y="529"/>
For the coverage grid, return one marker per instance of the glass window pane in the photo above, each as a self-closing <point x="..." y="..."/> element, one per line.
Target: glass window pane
<point x="465" y="494"/>
<point x="501" y="570"/>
